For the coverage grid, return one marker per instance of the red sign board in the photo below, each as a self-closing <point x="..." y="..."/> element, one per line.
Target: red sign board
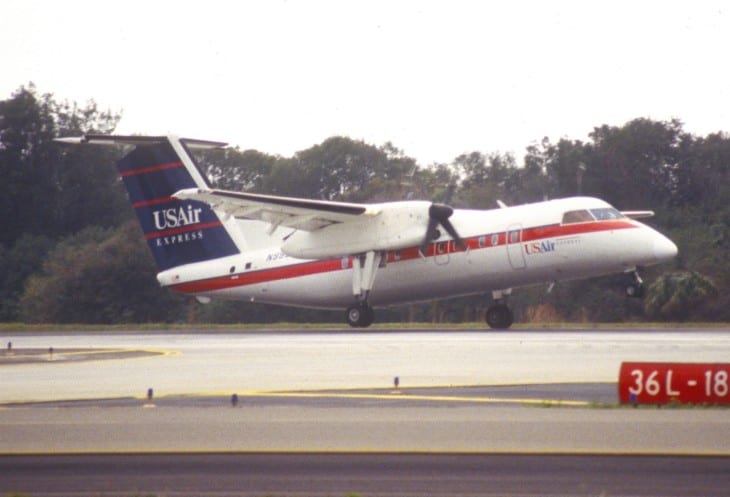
<point x="664" y="382"/>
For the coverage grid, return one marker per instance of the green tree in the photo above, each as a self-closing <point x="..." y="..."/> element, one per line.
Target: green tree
<point x="675" y="296"/>
<point x="439" y="183"/>
<point x="564" y="167"/>
<point x="634" y="165"/>
<point x="48" y="189"/>
<point x="233" y="169"/>
<point x="100" y="276"/>
<point x="486" y="179"/>
<point x="17" y="263"/>
<point x="338" y="169"/>
<point x="703" y="174"/>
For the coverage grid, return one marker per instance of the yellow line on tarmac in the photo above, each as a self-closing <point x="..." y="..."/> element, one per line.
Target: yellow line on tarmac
<point x="94" y="354"/>
<point x="119" y="351"/>
<point x="407" y="397"/>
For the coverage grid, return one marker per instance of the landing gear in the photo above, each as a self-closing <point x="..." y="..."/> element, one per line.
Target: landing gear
<point x="364" y="267"/>
<point x="360" y="315"/>
<point x="499" y="316"/>
<point x="636" y="289"/>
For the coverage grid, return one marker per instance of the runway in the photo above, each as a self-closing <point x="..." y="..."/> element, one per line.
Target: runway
<point x="366" y="475"/>
<point x="376" y="425"/>
<point x="526" y="391"/>
<point x="193" y="363"/>
<point x="326" y="401"/>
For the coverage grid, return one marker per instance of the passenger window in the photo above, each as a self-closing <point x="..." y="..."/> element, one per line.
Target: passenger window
<point x="514" y="236"/>
<point x="482" y="241"/>
<point x="579" y="216"/>
<point x="495" y="239"/>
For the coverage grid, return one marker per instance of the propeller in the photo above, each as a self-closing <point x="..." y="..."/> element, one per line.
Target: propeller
<point x="439" y="214"/>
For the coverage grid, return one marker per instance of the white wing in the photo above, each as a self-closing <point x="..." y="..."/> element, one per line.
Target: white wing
<point x="297" y="213"/>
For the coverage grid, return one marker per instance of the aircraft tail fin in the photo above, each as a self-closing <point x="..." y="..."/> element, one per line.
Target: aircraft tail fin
<point x="178" y="232"/>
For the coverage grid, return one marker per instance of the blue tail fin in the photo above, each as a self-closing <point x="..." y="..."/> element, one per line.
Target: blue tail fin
<point x="178" y="232"/>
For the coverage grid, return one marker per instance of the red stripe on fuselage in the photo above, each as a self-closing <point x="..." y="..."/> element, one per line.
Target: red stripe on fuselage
<point x="554" y="230"/>
<point x="151" y="169"/>
<point x="329" y="265"/>
<point x="263" y="276"/>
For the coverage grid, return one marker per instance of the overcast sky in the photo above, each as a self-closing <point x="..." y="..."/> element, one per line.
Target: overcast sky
<point x="435" y="78"/>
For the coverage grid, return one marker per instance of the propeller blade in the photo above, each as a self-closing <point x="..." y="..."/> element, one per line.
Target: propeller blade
<point x="440" y="214"/>
<point x="451" y="231"/>
<point x="432" y="224"/>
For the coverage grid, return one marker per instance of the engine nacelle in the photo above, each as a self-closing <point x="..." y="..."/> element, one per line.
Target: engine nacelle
<point x="396" y="226"/>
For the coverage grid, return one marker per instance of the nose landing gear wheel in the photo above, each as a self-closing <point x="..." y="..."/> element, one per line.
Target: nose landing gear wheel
<point x="360" y="315"/>
<point x="499" y="317"/>
<point x="635" y="290"/>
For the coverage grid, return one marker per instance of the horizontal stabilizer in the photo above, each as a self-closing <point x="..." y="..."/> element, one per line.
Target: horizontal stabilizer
<point x="638" y="214"/>
<point x="136" y="140"/>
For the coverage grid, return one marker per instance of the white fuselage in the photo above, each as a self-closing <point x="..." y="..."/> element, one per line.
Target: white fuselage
<point x="506" y="248"/>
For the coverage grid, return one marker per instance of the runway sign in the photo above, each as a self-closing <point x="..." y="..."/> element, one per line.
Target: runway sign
<point x="665" y="382"/>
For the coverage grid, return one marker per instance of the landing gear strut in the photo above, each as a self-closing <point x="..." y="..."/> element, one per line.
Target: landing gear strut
<point x="364" y="267"/>
<point x="635" y="289"/>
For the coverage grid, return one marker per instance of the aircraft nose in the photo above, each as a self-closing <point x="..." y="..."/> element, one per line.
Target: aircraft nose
<point x="664" y="248"/>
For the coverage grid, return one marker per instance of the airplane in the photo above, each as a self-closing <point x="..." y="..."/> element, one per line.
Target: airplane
<point x="212" y="243"/>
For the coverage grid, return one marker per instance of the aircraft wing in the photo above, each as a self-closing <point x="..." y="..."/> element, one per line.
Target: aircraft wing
<point x="297" y="213"/>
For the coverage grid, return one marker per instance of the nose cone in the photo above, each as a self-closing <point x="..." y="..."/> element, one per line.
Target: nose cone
<point x="664" y="249"/>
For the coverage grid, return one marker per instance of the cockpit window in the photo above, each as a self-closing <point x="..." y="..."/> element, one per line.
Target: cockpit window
<point x="580" y="216"/>
<point x="606" y="213"/>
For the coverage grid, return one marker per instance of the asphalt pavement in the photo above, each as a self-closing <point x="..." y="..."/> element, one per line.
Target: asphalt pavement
<point x="319" y="414"/>
<point x="366" y="475"/>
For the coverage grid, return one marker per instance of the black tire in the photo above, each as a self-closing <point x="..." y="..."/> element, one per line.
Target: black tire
<point x="360" y="315"/>
<point x="635" y="290"/>
<point x="369" y="316"/>
<point x="499" y="317"/>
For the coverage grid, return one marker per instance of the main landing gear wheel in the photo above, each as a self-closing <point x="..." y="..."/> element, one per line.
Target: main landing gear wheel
<point x="360" y="315"/>
<point x="499" y="317"/>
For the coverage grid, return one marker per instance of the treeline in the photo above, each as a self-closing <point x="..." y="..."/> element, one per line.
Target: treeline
<point x="70" y="250"/>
